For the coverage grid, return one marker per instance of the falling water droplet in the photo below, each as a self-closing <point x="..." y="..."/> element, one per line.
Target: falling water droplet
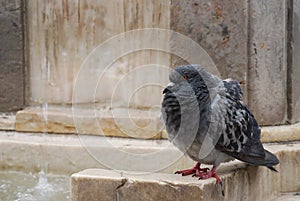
<point x="45" y="112"/>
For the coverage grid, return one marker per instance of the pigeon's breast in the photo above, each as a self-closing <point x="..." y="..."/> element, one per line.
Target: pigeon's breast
<point x="171" y="114"/>
<point x="181" y="117"/>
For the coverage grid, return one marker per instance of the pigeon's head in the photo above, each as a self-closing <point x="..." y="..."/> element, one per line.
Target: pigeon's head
<point x="187" y="77"/>
<point x="188" y="74"/>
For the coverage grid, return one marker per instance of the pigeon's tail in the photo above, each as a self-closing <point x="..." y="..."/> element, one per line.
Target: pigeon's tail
<point x="271" y="160"/>
<point x="272" y="168"/>
<point x="265" y="159"/>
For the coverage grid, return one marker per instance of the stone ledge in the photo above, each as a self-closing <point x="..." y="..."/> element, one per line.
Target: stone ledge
<point x="280" y="133"/>
<point x="31" y="152"/>
<point x="105" y="122"/>
<point x="241" y="182"/>
<point x="7" y="121"/>
<point x="294" y="196"/>
<point x="140" y="124"/>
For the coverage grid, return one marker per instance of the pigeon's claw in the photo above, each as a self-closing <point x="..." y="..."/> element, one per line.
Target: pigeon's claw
<point x="210" y="174"/>
<point x="204" y="169"/>
<point x="186" y="172"/>
<point x="194" y="170"/>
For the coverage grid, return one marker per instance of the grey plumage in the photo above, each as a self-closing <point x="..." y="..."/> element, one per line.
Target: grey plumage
<point x="206" y="118"/>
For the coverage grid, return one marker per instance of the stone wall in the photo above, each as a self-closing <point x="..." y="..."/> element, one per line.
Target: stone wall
<point x="11" y="56"/>
<point x="220" y="27"/>
<point x="254" y="42"/>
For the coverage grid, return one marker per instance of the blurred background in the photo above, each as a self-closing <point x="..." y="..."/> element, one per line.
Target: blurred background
<point x="43" y="45"/>
<point x="81" y="67"/>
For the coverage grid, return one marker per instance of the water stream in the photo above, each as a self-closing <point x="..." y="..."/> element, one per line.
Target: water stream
<point x="20" y="186"/>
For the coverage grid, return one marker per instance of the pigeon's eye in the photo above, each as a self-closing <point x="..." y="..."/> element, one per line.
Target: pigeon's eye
<point x="184" y="77"/>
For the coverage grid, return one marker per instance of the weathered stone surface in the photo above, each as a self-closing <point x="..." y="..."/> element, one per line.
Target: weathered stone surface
<point x="95" y="189"/>
<point x="58" y="154"/>
<point x="7" y="122"/>
<point x="16" y="148"/>
<point x="143" y="186"/>
<point x="245" y="39"/>
<point x="266" y="82"/>
<point x="63" y="34"/>
<point x="239" y="184"/>
<point x="60" y="36"/>
<point x="251" y="50"/>
<point x="118" y="122"/>
<point x="289" y="168"/>
<point x="294" y="196"/>
<point x="31" y="152"/>
<point x="263" y="182"/>
<point x="294" y="69"/>
<point x="11" y="56"/>
<point x="220" y="27"/>
<point x="280" y="133"/>
<point x="240" y="181"/>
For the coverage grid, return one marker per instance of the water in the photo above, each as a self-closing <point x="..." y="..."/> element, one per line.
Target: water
<point x="19" y="186"/>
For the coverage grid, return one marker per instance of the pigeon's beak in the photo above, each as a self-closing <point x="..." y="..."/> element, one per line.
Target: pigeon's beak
<point x="171" y="84"/>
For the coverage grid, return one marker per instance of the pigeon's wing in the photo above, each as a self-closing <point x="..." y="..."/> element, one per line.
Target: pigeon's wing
<point x="241" y="137"/>
<point x="233" y="89"/>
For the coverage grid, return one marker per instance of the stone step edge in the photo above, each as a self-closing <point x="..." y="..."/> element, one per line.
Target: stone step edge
<point x="291" y="196"/>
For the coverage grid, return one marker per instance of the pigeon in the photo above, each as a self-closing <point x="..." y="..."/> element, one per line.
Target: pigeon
<point x="206" y="118"/>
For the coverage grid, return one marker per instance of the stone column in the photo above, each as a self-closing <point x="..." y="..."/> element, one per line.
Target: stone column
<point x="267" y="73"/>
<point x="11" y="56"/>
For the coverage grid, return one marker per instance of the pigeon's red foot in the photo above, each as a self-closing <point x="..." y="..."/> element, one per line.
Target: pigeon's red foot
<point x="195" y="170"/>
<point x="210" y="174"/>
